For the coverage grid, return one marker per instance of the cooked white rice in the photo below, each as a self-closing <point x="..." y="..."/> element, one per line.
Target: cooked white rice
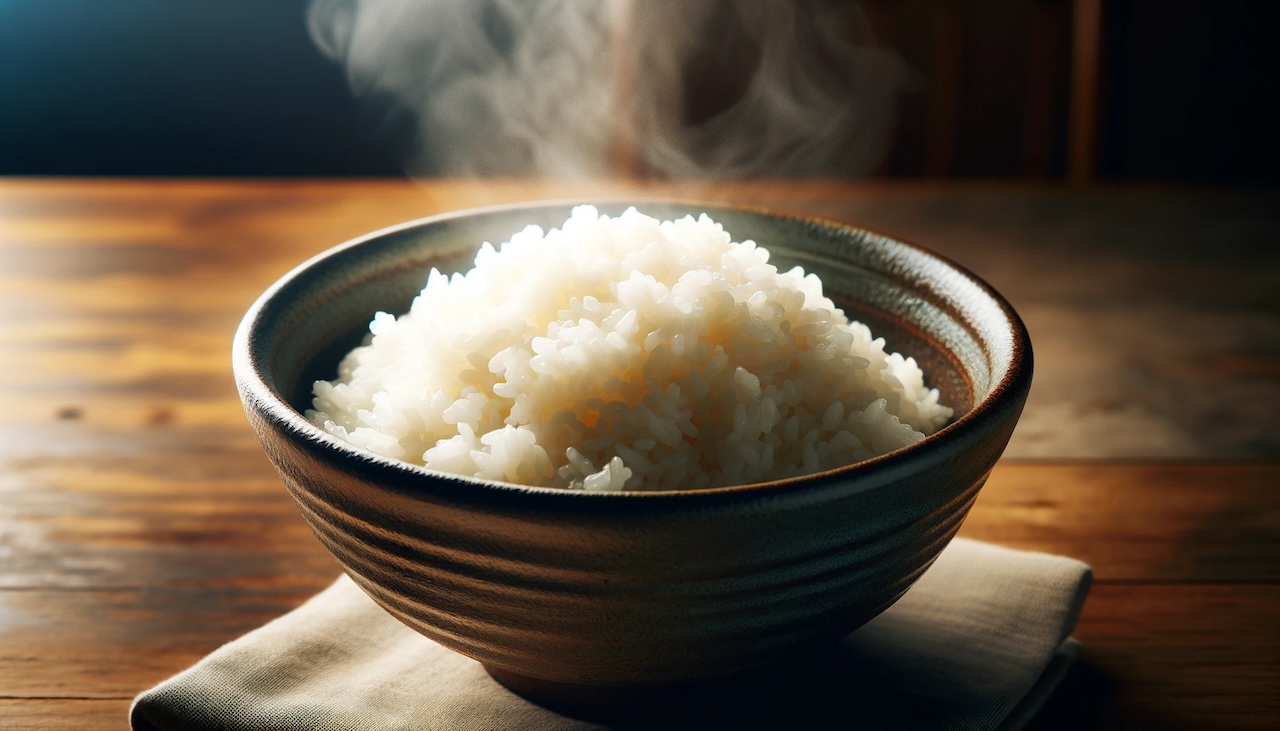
<point x="626" y="353"/>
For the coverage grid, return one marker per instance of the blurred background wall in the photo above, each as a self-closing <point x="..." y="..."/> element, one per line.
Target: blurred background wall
<point x="1180" y="90"/>
<point x="175" y="87"/>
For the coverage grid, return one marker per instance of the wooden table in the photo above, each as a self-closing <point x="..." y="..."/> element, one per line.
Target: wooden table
<point x="141" y="527"/>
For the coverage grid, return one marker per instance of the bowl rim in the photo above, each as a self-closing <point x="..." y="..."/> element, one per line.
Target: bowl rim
<point x="1006" y="392"/>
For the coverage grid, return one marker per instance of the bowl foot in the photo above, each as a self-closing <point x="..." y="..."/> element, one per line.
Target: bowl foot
<point x="608" y="704"/>
<point x="694" y="704"/>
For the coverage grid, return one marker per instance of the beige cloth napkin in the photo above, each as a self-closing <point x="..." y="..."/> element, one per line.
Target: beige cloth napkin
<point x="979" y="642"/>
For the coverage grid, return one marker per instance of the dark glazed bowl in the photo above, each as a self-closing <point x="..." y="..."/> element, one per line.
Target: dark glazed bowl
<point x="636" y="589"/>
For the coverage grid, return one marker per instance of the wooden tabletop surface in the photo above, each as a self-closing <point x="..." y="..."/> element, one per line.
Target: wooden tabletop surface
<point x="141" y="526"/>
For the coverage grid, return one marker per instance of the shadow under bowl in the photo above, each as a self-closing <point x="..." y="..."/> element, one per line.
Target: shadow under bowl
<point x="559" y="589"/>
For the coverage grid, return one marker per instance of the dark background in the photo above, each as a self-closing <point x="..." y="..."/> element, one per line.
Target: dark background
<point x="175" y="87"/>
<point x="1186" y="90"/>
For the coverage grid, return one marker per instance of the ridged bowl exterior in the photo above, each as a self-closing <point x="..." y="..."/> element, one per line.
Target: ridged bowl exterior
<point x="636" y="588"/>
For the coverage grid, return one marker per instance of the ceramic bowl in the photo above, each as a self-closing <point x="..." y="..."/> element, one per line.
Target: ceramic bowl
<point x="636" y="589"/>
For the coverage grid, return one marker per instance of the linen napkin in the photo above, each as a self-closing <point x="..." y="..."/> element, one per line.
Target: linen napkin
<point x="979" y="642"/>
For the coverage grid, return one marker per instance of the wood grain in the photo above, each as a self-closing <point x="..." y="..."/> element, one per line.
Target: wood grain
<point x="1174" y="656"/>
<point x="116" y="643"/>
<point x="1139" y="522"/>
<point x="141" y="526"/>
<point x="47" y="714"/>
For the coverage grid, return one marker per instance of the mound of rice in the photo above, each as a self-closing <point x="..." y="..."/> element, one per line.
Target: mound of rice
<point x="626" y="353"/>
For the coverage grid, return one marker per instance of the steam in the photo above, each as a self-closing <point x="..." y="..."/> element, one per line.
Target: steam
<point x="587" y="88"/>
